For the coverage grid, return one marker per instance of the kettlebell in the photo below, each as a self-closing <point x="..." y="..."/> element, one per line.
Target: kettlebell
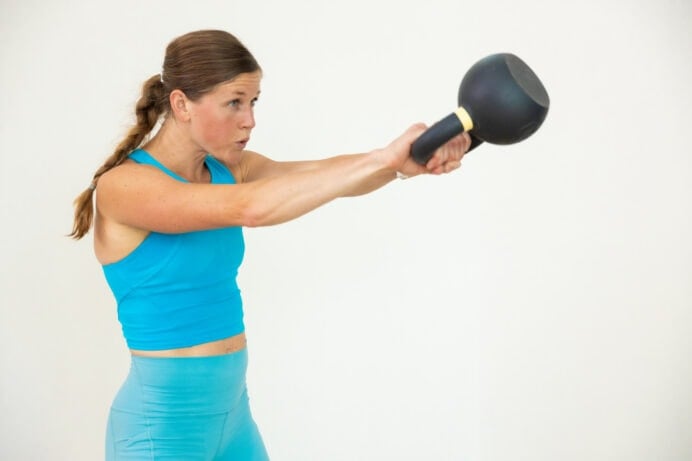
<point x="500" y="101"/>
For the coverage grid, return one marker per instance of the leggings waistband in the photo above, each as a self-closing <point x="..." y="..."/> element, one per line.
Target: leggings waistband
<point x="187" y="384"/>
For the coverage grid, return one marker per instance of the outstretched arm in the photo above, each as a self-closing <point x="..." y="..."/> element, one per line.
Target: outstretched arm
<point x="142" y="197"/>
<point x="445" y="160"/>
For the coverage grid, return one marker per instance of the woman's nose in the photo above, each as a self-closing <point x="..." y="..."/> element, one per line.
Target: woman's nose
<point x="248" y="120"/>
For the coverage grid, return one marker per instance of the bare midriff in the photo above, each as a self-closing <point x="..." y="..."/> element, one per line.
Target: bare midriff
<point x="220" y="347"/>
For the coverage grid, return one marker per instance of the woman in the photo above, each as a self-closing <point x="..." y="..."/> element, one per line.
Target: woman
<point x="168" y="224"/>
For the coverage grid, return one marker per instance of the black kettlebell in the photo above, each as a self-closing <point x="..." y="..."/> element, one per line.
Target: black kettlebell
<point x="501" y="101"/>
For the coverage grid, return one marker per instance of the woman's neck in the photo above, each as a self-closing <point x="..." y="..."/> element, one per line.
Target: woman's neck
<point x="178" y="153"/>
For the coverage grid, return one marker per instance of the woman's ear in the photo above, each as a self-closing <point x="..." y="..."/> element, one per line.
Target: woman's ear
<point x="180" y="105"/>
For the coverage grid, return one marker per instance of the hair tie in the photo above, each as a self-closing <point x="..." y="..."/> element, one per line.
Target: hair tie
<point x="92" y="186"/>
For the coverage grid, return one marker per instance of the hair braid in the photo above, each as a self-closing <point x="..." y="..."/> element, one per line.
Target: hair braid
<point x="152" y="103"/>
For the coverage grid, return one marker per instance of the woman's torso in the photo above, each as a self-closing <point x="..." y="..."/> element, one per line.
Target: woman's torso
<point x="191" y="261"/>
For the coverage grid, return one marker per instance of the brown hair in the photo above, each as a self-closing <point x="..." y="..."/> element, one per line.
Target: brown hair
<point x="195" y="63"/>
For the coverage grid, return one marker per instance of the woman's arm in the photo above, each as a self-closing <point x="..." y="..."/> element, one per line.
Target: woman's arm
<point x="142" y="197"/>
<point x="256" y="166"/>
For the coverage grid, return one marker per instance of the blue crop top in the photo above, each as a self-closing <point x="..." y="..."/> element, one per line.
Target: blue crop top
<point x="178" y="290"/>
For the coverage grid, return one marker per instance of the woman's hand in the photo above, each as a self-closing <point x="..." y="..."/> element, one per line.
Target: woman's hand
<point x="447" y="158"/>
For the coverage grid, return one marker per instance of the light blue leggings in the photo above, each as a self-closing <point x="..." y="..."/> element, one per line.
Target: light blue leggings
<point x="184" y="409"/>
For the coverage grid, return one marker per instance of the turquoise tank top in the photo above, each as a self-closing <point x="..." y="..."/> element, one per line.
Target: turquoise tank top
<point x="178" y="290"/>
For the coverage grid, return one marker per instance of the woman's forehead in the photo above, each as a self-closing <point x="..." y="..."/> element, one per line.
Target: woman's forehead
<point x="247" y="82"/>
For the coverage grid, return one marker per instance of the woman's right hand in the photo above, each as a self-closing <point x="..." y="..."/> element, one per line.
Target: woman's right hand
<point x="447" y="158"/>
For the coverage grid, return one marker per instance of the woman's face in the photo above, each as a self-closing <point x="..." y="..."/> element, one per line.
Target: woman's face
<point x="221" y="121"/>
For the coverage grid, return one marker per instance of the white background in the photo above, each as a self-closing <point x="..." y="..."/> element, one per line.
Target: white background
<point x="535" y="305"/>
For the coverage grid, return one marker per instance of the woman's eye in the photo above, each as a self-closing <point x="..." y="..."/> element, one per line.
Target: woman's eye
<point x="253" y="102"/>
<point x="234" y="103"/>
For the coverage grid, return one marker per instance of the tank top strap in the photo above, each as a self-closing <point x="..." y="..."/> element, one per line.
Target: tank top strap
<point x="220" y="174"/>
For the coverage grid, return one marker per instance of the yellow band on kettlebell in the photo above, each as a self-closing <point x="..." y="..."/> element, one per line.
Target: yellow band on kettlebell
<point x="464" y="118"/>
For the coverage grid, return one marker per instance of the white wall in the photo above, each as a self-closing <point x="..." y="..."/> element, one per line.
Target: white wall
<point x="533" y="306"/>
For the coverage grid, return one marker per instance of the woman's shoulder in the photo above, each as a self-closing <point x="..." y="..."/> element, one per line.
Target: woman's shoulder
<point x="128" y="169"/>
<point x="240" y="169"/>
<point x="131" y="179"/>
